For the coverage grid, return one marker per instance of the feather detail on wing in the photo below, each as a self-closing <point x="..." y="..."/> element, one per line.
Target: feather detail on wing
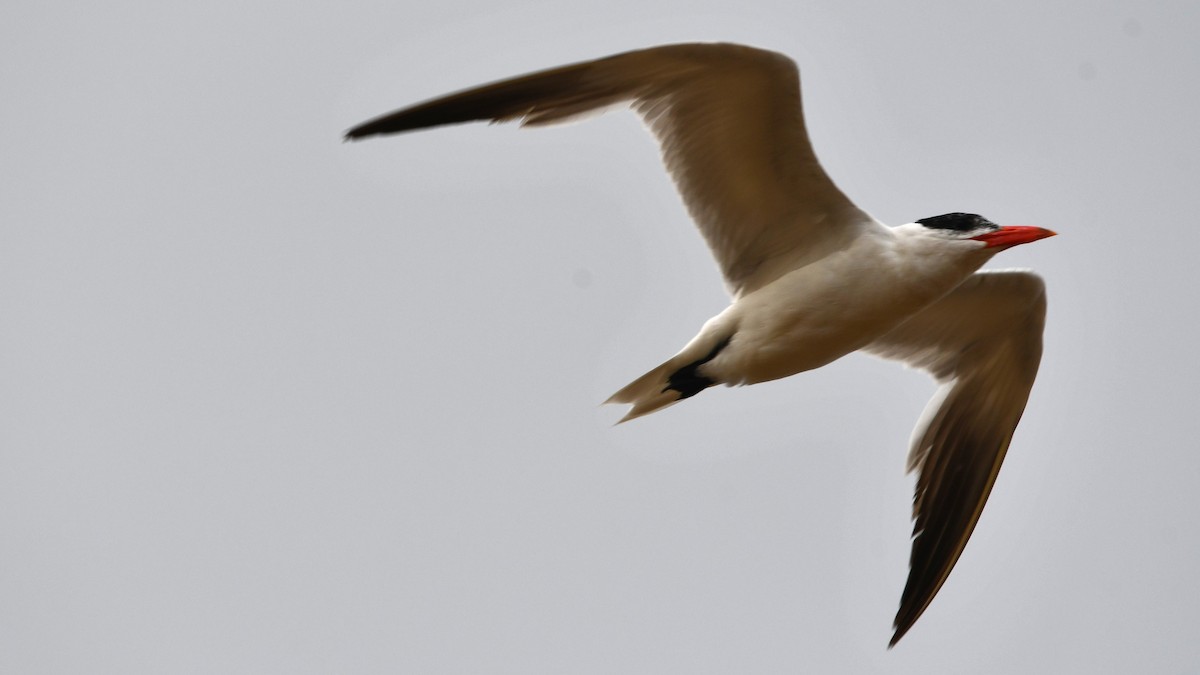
<point x="731" y="128"/>
<point x="983" y="343"/>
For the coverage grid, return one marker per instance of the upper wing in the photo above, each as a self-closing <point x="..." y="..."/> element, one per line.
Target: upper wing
<point x="730" y="124"/>
<point x="983" y="343"/>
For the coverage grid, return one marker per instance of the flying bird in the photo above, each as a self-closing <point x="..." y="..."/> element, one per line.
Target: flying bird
<point x="812" y="277"/>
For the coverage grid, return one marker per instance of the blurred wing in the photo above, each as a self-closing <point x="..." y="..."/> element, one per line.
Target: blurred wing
<point x="983" y="343"/>
<point x="730" y="124"/>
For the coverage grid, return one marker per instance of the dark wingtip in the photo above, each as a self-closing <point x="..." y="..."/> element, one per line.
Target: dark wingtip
<point x="357" y="133"/>
<point x="906" y="616"/>
<point x="900" y="632"/>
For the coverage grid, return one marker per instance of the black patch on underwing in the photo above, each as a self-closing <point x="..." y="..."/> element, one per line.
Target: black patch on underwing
<point x="688" y="381"/>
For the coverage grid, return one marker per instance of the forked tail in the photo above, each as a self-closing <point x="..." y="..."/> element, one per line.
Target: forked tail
<point x="676" y="379"/>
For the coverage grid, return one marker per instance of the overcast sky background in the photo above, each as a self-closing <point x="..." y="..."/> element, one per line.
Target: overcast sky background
<point x="272" y="403"/>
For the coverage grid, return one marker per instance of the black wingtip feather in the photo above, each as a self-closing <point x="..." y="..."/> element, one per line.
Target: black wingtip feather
<point x="499" y="101"/>
<point x="902" y="626"/>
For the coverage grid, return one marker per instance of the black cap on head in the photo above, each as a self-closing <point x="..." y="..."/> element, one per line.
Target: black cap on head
<point x="959" y="222"/>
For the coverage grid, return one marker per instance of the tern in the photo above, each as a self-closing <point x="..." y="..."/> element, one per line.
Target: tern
<point x="812" y="277"/>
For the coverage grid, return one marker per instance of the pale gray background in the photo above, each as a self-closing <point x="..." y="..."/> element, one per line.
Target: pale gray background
<point x="270" y="403"/>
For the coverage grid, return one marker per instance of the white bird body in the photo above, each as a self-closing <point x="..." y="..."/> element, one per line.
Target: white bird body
<point x="812" y="277"/>
<point x="799" y="321"/>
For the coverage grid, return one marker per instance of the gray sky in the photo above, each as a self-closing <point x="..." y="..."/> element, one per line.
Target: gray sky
<point x="277" y="404"/>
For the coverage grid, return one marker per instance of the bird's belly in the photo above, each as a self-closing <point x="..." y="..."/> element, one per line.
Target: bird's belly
<point x="804" y="325"/>
<point x="795" y="351"/>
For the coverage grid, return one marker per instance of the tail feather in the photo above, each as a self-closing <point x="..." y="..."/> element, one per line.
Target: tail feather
<point x="676" y="379"/>
<point x="648" y="393"/>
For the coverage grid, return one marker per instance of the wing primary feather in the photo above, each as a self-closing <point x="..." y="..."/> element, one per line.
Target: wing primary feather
<point x="497" y="102"/>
